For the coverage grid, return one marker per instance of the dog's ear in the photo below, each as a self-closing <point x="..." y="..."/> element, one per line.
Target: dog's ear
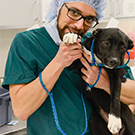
<point x="87" y="42"/>
<point x="96" y="33"/>
<point x="130" y="44"/>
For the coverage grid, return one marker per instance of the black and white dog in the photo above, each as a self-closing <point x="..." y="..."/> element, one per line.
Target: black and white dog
<point x="109" y="48"/>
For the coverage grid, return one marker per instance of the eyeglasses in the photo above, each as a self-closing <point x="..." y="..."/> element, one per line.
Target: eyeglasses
<point x="88" y="21"/>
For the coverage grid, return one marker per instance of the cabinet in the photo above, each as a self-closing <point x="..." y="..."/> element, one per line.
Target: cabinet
<point x="22" y="13"/>
<point x="25" y="13"/>
<point x="120" y="9"/>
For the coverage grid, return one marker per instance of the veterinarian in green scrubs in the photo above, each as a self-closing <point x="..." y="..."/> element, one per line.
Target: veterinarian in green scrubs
<point x="42" y="51"/>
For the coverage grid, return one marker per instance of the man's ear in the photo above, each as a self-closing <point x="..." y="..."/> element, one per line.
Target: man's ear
<point x="96" y="33"/>
<point x="130" y="44"/>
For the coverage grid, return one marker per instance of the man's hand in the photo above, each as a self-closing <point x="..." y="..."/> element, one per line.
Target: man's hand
<point x="91" y="74"/>
<point x="70" y="50"/>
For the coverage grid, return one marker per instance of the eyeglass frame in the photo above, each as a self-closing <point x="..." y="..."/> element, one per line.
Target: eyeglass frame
<point x="94" y="20"/>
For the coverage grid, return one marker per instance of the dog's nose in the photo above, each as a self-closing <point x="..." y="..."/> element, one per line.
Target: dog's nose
<point x="113" y="62"/>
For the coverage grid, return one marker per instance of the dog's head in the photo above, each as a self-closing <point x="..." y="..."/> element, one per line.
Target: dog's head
<point x="110" y="46"/>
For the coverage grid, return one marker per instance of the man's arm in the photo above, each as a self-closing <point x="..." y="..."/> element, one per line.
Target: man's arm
<point x="27" y="98"/>
<point x="128" y="92"/>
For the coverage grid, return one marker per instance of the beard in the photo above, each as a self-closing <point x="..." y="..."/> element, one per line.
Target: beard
<point x="61" y="31"/>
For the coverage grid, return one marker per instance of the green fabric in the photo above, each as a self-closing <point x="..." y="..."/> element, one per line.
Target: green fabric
<point x="87" y="35"/>
<point x="30" y="52"/>
<point x="129" y="74"/>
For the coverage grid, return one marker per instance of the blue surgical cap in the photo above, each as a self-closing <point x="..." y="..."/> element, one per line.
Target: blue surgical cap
<point x="55" y="5"/>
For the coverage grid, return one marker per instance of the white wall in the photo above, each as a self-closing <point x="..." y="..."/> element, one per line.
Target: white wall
<point x="6" y="37"/>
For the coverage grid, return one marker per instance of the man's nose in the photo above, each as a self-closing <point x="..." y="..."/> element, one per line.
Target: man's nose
<point x="79" y="24"/>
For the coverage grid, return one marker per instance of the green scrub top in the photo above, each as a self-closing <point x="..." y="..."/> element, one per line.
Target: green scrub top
<point x="30" y="53"/>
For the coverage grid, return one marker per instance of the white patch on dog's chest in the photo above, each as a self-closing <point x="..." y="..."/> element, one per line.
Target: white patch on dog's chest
<point x="89" y="53"/>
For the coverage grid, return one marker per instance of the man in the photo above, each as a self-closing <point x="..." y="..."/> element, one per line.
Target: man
<point x="42" y="51"/>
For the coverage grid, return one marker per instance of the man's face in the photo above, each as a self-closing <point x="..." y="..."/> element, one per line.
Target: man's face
<point x="66" y="24"/>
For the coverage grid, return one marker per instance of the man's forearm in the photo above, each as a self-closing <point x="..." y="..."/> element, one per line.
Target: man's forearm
<point x="27" y="98"/>
<point x="128" y="92"/>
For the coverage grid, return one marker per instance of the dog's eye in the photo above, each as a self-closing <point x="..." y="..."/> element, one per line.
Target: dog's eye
<point x="106" y="43"/>
<point x="122" y="48"/>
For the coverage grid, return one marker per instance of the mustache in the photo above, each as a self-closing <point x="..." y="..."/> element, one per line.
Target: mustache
<point x="79" y="32"/>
